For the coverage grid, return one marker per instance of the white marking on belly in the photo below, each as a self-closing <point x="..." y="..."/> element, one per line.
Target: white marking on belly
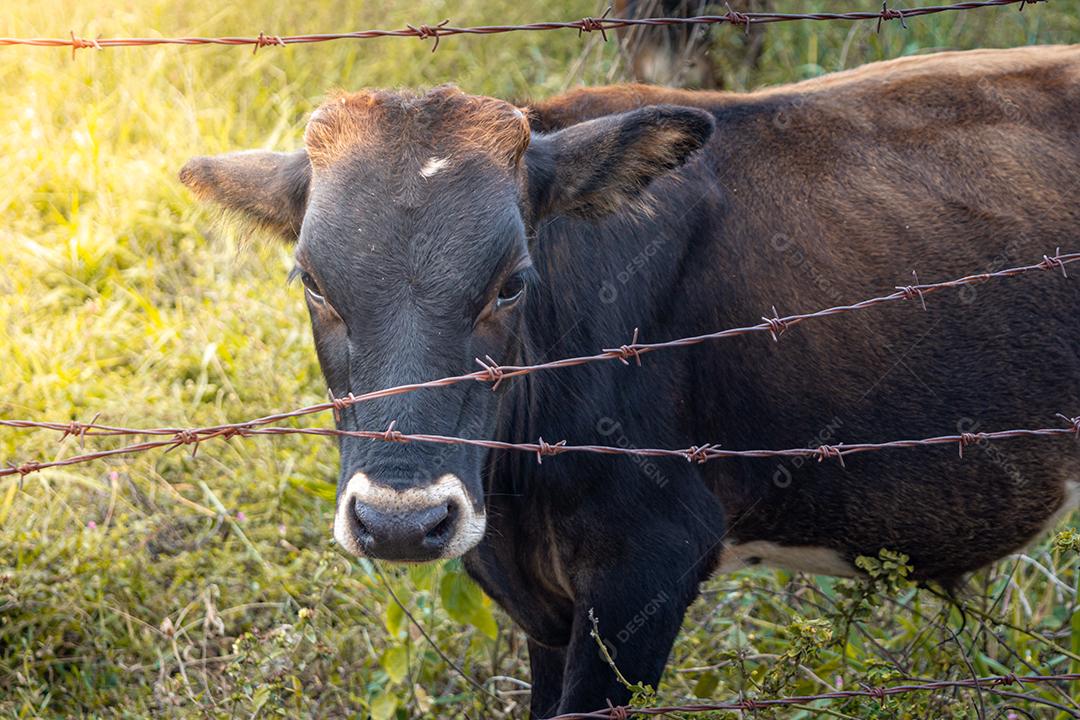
<point x="1072" y="502"/>
<point x="798" y="558"/>
<point x="433" y="165"/>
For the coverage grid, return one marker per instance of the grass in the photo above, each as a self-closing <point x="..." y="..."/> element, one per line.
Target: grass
<point x="174" y="586"/>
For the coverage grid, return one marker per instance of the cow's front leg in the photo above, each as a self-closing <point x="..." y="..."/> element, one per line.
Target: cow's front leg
<point x="637" y="616"/>
<point x="637" y="571"/>
<point x="638" y="603"/>
<point x="546" y="665"/>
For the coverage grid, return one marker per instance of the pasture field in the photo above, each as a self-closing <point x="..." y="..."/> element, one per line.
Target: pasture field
<point x="172" y="586"/>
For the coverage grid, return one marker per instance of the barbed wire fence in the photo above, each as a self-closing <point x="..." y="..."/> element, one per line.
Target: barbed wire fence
<point x="496" y="374"/>
<point x="170" y="438"/>
<point x="879" y="693"/>
<point x="583" y="25"/>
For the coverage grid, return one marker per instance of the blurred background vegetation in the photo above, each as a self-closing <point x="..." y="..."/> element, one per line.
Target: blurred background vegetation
<point x="175" y="586"/>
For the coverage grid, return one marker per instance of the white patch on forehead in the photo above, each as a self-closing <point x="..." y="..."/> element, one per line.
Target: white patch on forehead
<point x="433" y="165"/>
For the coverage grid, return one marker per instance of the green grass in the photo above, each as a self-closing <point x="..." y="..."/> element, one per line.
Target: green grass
<point x="173" y="586"/>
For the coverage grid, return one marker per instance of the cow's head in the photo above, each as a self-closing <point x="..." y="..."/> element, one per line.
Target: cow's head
<point x="412" y="217"/>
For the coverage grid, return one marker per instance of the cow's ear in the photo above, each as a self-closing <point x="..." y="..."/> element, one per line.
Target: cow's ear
<point x="267" y="188"/>
<point x="595" y="167"/>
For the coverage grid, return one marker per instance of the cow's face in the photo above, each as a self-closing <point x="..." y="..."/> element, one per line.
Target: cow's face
<point x="412" y="216"/>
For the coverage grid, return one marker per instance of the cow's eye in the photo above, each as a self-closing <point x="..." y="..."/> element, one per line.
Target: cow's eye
<point x="311" y="287"/>
<point x="511" y="291"/>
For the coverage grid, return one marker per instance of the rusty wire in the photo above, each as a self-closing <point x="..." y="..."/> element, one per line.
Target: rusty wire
<point x="443" y="29"/>
<point x="496" y="374"/>
<point x="542" y="449"/>
<point x="621" y="712"/>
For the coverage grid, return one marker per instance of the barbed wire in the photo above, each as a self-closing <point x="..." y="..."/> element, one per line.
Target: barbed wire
<point x="623" y="712"/>
<point x="542" y="449"/>
<point x="443" y="29"/>
<point x="496" y="374"/>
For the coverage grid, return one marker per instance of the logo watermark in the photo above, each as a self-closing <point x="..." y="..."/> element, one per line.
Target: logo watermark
<point x="612" y="429"/>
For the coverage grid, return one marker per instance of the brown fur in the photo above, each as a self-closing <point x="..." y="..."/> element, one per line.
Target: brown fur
<point x="267" y="189"/>
<point x="904" y="77"/>
<point x="350" y="122"/>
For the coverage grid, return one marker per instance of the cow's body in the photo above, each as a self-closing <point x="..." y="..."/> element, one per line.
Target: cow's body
<point x="805" y="197"/>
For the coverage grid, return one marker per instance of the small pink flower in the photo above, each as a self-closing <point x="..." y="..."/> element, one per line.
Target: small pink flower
<point x="240" y="516"/>
<point x="91" y="525"/>
<point x="114" y="476"/>
<point x="839" y="683"/>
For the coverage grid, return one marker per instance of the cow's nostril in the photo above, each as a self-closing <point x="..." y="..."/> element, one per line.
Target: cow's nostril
<point x="360" y="527"/>
<point x="444" y="528"/>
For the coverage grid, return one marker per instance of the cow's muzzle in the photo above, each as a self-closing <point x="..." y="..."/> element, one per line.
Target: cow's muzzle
<point x="412" y="525"/>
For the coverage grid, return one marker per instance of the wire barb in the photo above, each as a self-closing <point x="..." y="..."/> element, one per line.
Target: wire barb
<point x="623" y="353"/>
<point x="617" y="712"/>
<point x="544" y="448"/>
<point x="187" y="437"/>
<point x="888" y="13"/>
<point x="589" y="24"/>
<point x="78" y="429"/>
<point x="78" y="43"/>
<point x="875" y="692"/>
<point x="1008" y="679"/>
<point x="429" y="31"/>
<point x="824" y="452"/>
<point x="26" y="468"/>
<point x="1055" y="261"/>
<point x="967" y="439"/>
<point x="493" y="372"/>
<point x="74" y="428"/>
<point x="1074" y="421"/>
<point x="392" y="435"/>
<point x="339" y="404"/>
<point x="912" y="291"/>
<point x="737" y="18"/>
<point x="749" y="705"/>
<point x="777" y="325"/>
<point x="264" y="40"/>
<point x="700" y="453"/>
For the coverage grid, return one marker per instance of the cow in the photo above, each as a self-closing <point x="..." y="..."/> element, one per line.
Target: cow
<point x="434" y="228"/>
